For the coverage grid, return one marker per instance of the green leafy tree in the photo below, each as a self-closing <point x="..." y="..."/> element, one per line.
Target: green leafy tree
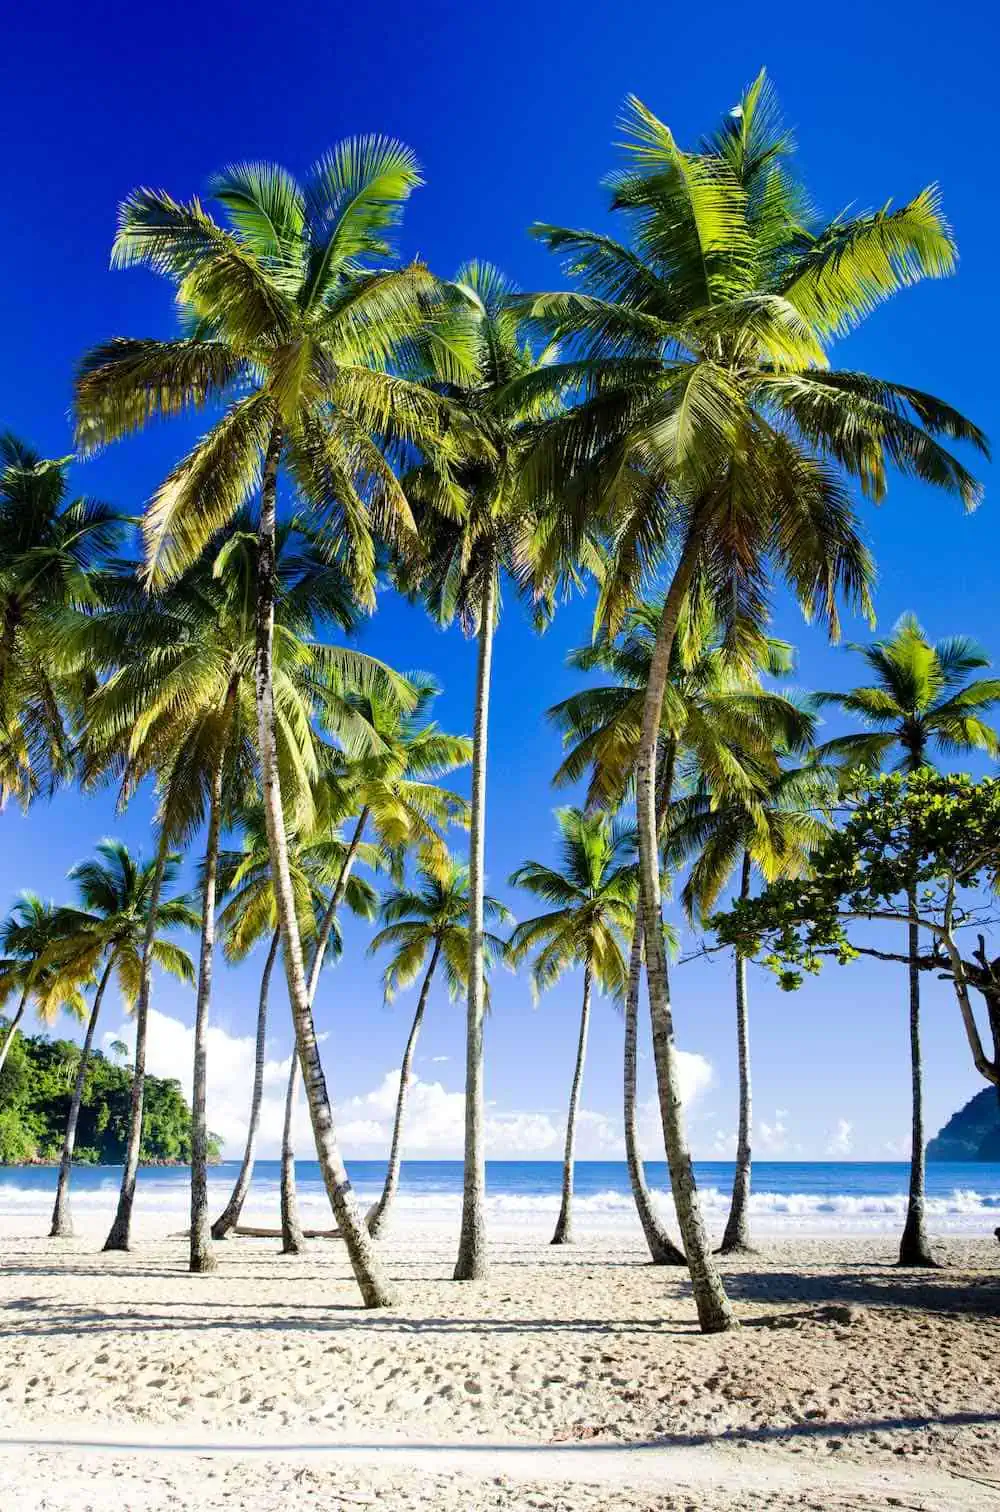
<point x="294" y="321"/>
<point x="50" y="547"/>
<point x="593" y="893"/>
<point x="922" y="830"/>
<point x="104" y="938"/>
<point x="922" y="699"/>
<point x="427" y="926"/>
<point x="30" y="970"/>
<point x="713" y="431"/>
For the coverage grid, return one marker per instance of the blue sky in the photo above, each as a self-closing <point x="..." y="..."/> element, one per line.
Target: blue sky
<point x="513" y="116"/>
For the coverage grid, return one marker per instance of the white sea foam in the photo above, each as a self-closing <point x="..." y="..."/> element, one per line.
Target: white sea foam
<point x="163" y="1204"/>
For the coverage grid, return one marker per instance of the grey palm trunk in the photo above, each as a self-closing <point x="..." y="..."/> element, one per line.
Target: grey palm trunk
<point x="62" y="1218"/>
<point x="914" y="1246"/>
<point x="379" y="1213"/>
<point x="292" y="1236"/>
<point x="202" y="1260"/>
<point x="120" y="1235"/>
<point x="12" y="1027"/>
<point x="230" y="1215"/>
<point x="472" y="1260"/>
<point x="662" y="1250"/>
<point x="361" y="1249"/>
<point x="564" y="1223"/>
<point x="737" y="1232"/>
<point x="715" y="1313"/>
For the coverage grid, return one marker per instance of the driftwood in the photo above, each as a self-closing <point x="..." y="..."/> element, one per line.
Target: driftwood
<point x="243" y="1232"/>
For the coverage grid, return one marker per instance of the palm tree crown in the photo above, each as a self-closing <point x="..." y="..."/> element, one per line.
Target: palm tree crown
<point x="436" y="912"/>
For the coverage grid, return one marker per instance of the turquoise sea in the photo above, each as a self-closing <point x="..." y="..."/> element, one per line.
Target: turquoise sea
<point x="850" y="1197"/>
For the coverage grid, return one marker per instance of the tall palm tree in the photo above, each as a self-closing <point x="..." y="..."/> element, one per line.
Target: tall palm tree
<point x="712" y="430"/>
<point x="717" y="713"/>
<point x="50" y="547"/>
<point x="593" y="893"/>
<point x="179" y="704"/>
<point x="773" y="830"/>
<point x="502" y="386"/>
<point x="922" y="699"/>
<point x="31" y="971"/>
<point x="105" y="937"/>
<point x="250" y="917"/>
<point x="425" y="926"/>
<point x="293" y="323"/>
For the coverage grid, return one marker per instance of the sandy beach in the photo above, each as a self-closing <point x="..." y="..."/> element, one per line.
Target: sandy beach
<point x="850" y="1383"/>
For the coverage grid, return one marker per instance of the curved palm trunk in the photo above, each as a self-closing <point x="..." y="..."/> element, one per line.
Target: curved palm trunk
<point x="62" y="1218"/>
<point x="120" y="1236"/>
<point x="293" y="1240"/>
<point x="361" y="1249"/>
<point x="230" y="1216"/>
<point x="662" y="1249"/>
<point x="564" y="1223"/>
<point x="472" y="1259"/>
<point x="202" y="1260"/>
<point x="378" y="1214"/>
<point x="914" y="1246"/>
<point x="292" y="1236"/>
<point x="737" y="1232"/>
<point x="12" y="1028"/>
<point x="715" y="1313"/>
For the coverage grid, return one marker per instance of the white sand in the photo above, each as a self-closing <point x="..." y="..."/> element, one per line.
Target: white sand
<point x="893" y="1402"/>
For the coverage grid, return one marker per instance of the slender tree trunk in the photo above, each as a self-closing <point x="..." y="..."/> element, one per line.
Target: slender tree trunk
<point x="662" y="1249"/>
<point x="293" y="1238"/>
<point x="202" y="1260"/>
<point x="914" y="1246"/>
<point x="12" y="1027"/>
<point x="737" y="1232"/>
<point x="120" y="1235"/>
<point x="361" y="1249"/>
<point x="293" y="1241"/>
<point x="378" y="1214"/>
<point x="564" y="1223"/>
<point x="472" y="1258"/>
<point x="230" y="1216"/>
<point x="715" y="1313"/>
<point x="62" y="1218"/>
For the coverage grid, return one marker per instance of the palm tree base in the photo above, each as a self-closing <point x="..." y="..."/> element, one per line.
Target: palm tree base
<point x="920" y="1259"/>
<point x="203" y="1265"/>
<point x="62" y="1230"/>
<point x="738" y="1247"/>
<point x="562" y="1238"/>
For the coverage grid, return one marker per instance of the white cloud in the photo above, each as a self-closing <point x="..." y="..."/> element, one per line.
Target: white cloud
<point x="439" y="1060"/>
<point x="435" y="1115"/>
<point x="842" y="1138"/>
<point x="772" y="1139"/>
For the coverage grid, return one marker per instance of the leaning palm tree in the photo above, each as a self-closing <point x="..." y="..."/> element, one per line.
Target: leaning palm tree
<point x="711" y="430"/>
<point x="503" y="388"/>
<point x="105" y="937"/>
<point x="179" y="704"/>
<point x="922" y="699"/>
<point x="250" y="917"/>
<point x="50" y="548"/>
<point x="31" y="971"/>
<point x="293" y="323"/>
<point x="717" y="713"/>
<point x="425" y="926"/>
<point x="593" y="893"/>
<point x="773" y="830"/>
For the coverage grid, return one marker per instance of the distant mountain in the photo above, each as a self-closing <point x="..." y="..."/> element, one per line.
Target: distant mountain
<point x="973" y="1133"/>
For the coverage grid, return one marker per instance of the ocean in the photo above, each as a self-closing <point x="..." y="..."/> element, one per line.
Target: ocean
<point x="789" y="1198"/>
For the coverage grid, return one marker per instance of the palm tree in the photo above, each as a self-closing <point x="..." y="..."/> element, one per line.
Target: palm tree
<point x="105" y="935"/>
<point x="922" y="698"/>
<point x="425" y="926"/>
<point x="49" y="549"/>
<point x="250" y="917"/>
<point x="593" y="894"/>
<point x="30" y="970"/>
<point x="712" y="430"/>
<point x="179" y="704"/>
<point x="502" y="387"/>
<point x="773" y="830"/>
<point x="717" y="713"/>
<point x="293" y="323"/>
